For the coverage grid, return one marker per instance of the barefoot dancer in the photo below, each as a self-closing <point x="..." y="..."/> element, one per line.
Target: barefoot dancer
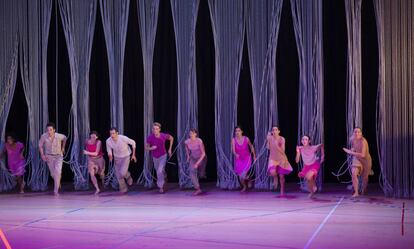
<point x="278" y="163"/>
<point x="311" y="162"/>
<point x="361" y="160"/>
<point x="52" y="149"/>
<point x="242" y="149"/>
<point x="118" y="150"/>
<point x="96" y="162"/>
<point x="196" y="157"/>
<point x="15" y="159"/>
<point x="156" y="144"/>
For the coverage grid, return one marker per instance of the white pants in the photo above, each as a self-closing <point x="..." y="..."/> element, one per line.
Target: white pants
<point x="121" y="172"/>
<point x="159" y="165"/>
<point x="54" y="162"/>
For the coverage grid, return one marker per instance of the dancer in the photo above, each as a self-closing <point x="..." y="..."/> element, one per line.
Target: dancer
<point x="196" y="157"/>
<point x="278" y="163"/>
<point x="119" y="151"/>
<point x="242" y="149"/>
<point x="52" y="149"/>
<point x="309" y="155"/>
<point x="156" y="144"/>
<point x="96" y="162"/>
<point x="361" y="160"/>
<point x="15" y="159"/>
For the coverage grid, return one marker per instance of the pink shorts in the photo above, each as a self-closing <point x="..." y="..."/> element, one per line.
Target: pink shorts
<point x="278" y="169"/>
<point x="313" y="167"/>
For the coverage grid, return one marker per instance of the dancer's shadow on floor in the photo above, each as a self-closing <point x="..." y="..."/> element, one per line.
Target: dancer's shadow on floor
<point x="320" y="200"/>
<point x="287" y="197"/>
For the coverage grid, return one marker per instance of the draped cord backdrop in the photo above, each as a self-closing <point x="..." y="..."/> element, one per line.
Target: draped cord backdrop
<point x="307" y="22"/>
<point x="34" y="26"/>
<point x="9" y="43"/>
<point x="24" y="45"/>
<point x="354" y="77"/>
<point x="262" y="27"/>
<point x="228" y="31"/>
<point x="184" y="17"/>
<point x="78" y="19"/>
<point x="147" y="19"/>
<point x="115" y="22"/>
<point x="395" y="105"/>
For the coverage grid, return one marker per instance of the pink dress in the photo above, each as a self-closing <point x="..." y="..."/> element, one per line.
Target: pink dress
<point x="244" y="162"/>
<point x="310" y="160"/>
<point x="15" y="162"/>
<point x="278" y="159"/>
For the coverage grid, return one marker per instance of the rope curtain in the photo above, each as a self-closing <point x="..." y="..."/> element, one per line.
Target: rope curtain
<point x="262" y="27"/>
<point x="185" y="16"/>
<point x="115" y="24"/>
<point x="307" y="22"/>
<point x="227" y="18"/>
<point x="395" y="106"/>
<point x="34" y="16"/>
<point x="8" y="71"/>
<point x="147" y="19"/>
<point x="78" y="19"/>
<point x="354" y="76"/>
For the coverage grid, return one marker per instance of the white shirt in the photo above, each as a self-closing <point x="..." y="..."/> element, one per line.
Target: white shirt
<point x="119" y="147"/>
<point x="52" y="146"/>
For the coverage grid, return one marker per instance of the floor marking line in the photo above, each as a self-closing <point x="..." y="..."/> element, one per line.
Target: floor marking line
<point x="4" y="239"/>
<point x="322" y="224"/>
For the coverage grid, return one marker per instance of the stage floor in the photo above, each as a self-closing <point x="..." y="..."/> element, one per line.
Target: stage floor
<point x="216" y="219"/>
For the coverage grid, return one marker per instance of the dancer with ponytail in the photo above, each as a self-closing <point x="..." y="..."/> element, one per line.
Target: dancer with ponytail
<point x="278" y="165"/>
<point x="309" y="155"/>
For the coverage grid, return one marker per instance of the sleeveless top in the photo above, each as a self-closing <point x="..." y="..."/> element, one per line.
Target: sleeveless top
<point x="92" y="148"/>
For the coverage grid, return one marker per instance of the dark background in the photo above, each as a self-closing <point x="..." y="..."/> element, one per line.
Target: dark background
<point x="165" y="84"/>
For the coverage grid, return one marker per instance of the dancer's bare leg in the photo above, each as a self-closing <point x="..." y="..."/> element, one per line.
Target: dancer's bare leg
<point x="355" y="181"/>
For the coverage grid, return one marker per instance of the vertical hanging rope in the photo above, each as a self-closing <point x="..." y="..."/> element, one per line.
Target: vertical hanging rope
<point x="262" y="26"/>
<point x="307" y="22"/>
<point x="56" y="66"/>
<point x="354" y="77"/>
<point x="78" y="19"/>
<point x="185" y="16"/>
<point x="228" y="25"/>
<point x="395" y="105"/>
<point x="147" y="19"/>
<point x="115" y="23"/>
<point x="9" y="43"/>
<point x="34" y="27"/>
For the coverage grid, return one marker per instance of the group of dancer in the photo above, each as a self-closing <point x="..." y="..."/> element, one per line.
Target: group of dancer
<point x="121" y="151"/>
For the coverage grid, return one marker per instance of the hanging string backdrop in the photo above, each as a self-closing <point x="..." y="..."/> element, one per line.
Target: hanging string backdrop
<point x="228" y="32"/>
<point x="78" y="19"/>
<point x="395" y="105"/>
<point x="147" y="19"/>
<point x="307" y="22"/>
<point x="9" y="43"/>
<point x="262" y="37"/>
<point x="115" y="24"/>
<point x="185" y="16"/>
<point x="34" y="34"/>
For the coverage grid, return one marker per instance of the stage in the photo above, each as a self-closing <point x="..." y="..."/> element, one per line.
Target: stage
<point x="216" y="219"/>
